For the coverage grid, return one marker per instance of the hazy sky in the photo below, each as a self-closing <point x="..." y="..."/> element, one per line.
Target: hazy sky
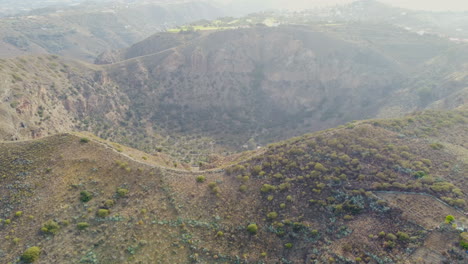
<point x="439" y="5"/>
<point x="434" y="5"/>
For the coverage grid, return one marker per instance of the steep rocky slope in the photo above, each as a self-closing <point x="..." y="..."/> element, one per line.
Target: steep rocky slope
<point x="246" y="83"/>
<point x="46" y="94"/>
<point x="363" y="193"/>
<point x="211" y="92"/>
<point x="442" y="79"/>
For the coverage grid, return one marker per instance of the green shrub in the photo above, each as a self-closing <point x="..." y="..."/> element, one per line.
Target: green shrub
<point x="267" y="188"/>
<point x="403" y="236"/>
<point x="419" y="174"/>
<point x="121" y="192"/>
<point x="284" y="186"/>
<point x="272" y="215"/>
<point x="348" y="217"/>
<point x="50" y="227"/>
<point x="84" y="140"/>
<point x="31" y="254"/>
<point x="391" y="236"/>
<point x="278" y="175"/>
<point x="442" y="187"/>
<point x="220" y="234"/>
<point x="252" y="228"/>
<point x="436" y="146"/>
<point x="319" y="167"/>
<point x="449" y="219"/>
<point x="82" y="225"/>
<point x="288" y="245"/>
<point x="109" y="203"/>
<point x="389" y="244"/>
<point x="214" y="188"/>
<point x="85" y="196"/>
<point x="103" y="213"/>
<point x="464" y="240"/>
<point x="19" y="213"/>
<point x="201" y="178"/>
<point x="255" y="170"/>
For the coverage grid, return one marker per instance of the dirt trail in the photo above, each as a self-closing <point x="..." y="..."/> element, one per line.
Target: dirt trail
<point x="197" y="172"/>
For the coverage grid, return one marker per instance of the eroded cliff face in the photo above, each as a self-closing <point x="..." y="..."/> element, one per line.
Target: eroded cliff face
<point x="251" y="79"/>
<point x="45" y="95"/>
<point x="235" y="87"/>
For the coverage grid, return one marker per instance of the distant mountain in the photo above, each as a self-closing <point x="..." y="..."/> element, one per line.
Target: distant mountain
<point x="86" y="30"/>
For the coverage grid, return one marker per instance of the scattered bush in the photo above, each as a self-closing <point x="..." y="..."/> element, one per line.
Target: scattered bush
<point x="449" y="219"/>
<point x="82" y="225"/>
<point x="391" y="236"/>
<point x="31" y="254"/>
<point x="19" y="213"/>
<point x="272" y="215"/>
<point x="319" y="167"/>
<point x="85" y="196"/>
<point x="50" y="227"/>
<point x="201" y="178"/>
<point x="84" y="140"/>
<point x="243" y="188"/>
<point x="267" y="188"/>
<point x="109" y="203"/>
<point x="288" y="245"/>
<point x="252" y="229"/>
<point x="255" y="170"/>
<point x="348" y="217"/>
<point x="284" y="186"/>
<point x="214" y="188"/>
<point x="442" y="187"/>
<point x="103" y="213"/>
<point x="436" y="146"/>
<point x="402" y="236"/>
<point x="464" y="240"/>
<point x="121" y="192"/>
<point x="389" y="244"/>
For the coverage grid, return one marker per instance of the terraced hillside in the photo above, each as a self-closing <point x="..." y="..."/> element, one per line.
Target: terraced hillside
<point x="340" y="195"/>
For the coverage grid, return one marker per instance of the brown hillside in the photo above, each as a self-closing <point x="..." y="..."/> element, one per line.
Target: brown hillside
<point x="315" y="198"/>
